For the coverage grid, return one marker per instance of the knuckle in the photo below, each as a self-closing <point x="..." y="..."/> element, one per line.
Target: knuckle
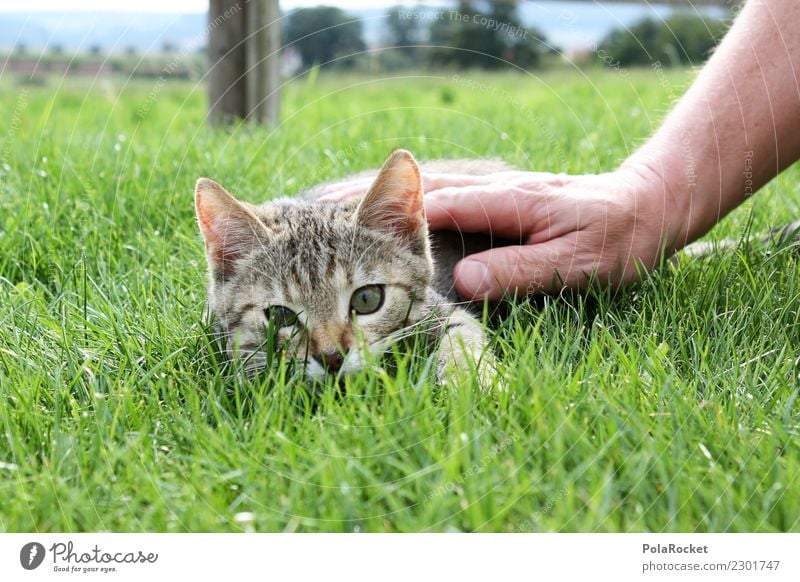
<point x="535" y="187"/>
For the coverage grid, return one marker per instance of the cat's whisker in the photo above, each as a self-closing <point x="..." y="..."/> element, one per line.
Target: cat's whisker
<point x="430" y="326"/>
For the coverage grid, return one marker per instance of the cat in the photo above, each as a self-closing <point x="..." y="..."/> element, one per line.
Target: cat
<point x="330" y="280"/>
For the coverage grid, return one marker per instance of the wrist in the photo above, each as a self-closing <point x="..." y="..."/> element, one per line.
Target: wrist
<point x="668" y="197"/>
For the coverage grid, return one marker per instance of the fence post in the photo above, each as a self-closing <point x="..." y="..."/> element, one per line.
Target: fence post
<point x="243" y="52"/>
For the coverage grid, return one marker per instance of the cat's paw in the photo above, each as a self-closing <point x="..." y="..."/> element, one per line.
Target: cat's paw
<point x="464" y="354"/>
<point x="456" y="372"/>
<point x="491" y="376"/>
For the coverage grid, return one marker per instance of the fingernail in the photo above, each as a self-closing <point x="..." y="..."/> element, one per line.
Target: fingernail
<point x="475" y="277"/>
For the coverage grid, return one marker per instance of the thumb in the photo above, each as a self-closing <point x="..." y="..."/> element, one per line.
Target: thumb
<point x="523" y="270"/>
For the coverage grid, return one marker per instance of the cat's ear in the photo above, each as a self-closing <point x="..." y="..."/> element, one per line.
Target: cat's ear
<point x="230" y="227"/>
<point x="394" y="201"/>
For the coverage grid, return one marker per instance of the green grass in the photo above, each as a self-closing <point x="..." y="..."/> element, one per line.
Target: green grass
<point x="671" y="407"/>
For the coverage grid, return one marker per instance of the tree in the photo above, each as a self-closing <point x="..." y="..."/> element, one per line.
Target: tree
<point x="403" y="31"/>
<point x="680" y="39"/>
<point x="323" y="33"/>
<point x="484" y="34"/>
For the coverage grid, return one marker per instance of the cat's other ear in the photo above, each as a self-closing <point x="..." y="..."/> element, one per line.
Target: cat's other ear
<point x="394" y="201"/>
<point x="230" y="227"/>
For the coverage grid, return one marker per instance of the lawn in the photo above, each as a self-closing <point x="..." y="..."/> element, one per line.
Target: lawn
<point x="670" y="407"/>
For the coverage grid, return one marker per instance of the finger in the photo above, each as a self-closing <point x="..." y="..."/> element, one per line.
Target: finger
<point x="501" y="211"/>
<point x="437" y="181"/>
<point x="521" y="270"/>
<point x="337" y="192"/>
<point x="343" y="190"/>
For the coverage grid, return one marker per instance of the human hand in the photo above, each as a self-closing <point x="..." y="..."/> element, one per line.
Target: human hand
<point x="612" y="226"/>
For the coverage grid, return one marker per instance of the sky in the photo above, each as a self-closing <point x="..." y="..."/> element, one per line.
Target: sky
<point x="173" y="6"/>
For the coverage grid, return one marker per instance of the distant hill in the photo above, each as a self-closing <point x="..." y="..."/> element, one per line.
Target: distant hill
<point x="112" y="31"/>
<point x="567" y="25"/>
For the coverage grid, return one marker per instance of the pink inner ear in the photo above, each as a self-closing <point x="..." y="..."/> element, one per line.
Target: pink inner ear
<point x="416" y="207"/>
<point x="223" y="253"/>
<point x="222" y="246"/>
<point x="413" y="211"/>
<point x="223" y="258"/>
<point x="206" y="221"/>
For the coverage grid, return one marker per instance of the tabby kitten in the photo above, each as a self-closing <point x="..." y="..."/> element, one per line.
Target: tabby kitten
<point x="335" y="281"/>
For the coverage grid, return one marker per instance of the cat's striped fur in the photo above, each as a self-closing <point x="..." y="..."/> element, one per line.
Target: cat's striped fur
<point x="310" y="257"/>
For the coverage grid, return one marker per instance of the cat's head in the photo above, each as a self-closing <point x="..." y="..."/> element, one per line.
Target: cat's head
<point x="325" y="281"/>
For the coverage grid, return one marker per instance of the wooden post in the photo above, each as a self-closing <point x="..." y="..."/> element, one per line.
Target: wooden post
<point x="263" y="51"/>
<point x="243" y="50"/>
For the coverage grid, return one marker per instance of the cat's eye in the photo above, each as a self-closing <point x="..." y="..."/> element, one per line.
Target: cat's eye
<point x="368" y="299"/>
<point x="280" y="316"/>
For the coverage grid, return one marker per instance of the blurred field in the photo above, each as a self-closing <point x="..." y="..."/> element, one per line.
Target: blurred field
<point x="672" y="407"/>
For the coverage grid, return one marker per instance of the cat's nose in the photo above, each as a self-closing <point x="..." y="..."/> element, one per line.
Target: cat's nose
<point x="331" y="361"/>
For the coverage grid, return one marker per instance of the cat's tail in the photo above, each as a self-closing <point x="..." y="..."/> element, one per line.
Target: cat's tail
<point x="784" y="236"/>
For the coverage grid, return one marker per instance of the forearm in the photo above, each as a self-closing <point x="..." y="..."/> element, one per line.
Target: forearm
<point x="736" y="128"/>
